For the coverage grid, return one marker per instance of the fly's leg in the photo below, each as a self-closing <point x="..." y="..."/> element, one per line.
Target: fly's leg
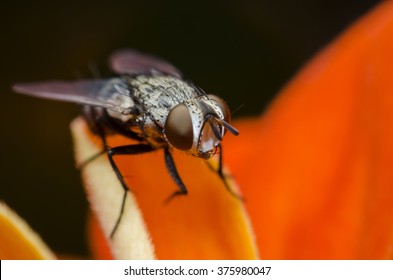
<point x="124" y="150"/>
<point x="111" y="152"/>
<point x="90" y="159"/>
<point x="170" y="165"/>
<point x="220" y="173"/>
<point x="97" y="121"/>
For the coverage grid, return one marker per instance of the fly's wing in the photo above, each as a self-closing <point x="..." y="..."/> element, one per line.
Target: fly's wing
<point x="111" y="94"/>
<point x="131" y="62"/>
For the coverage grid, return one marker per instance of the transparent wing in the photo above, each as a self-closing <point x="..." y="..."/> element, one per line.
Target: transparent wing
<point x="111" y="94"/>
<point x="129" y="61"/>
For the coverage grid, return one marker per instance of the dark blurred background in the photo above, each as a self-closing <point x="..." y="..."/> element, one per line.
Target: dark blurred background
<point x="243" y="50"/>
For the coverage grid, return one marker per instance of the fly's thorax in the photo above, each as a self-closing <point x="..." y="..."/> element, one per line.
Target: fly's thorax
<point x="158" y="94"/>
<point x="194" y="126"/>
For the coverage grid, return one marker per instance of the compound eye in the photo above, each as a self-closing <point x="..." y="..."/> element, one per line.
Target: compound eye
<point x="178" y="128"/>
<point x="223" y="106"/>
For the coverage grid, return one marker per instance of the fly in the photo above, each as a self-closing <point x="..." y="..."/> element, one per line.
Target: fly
<point x="149" y="102"/>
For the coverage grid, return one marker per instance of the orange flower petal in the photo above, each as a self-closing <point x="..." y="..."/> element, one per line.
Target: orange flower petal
<point x="208" y="223"/>
<point x="318" y="178"/>
<point x="97" y="241"/>
<point x="18" y="240"/>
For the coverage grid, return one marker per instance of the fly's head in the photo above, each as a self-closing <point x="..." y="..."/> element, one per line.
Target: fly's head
<point x="198" y="125"/>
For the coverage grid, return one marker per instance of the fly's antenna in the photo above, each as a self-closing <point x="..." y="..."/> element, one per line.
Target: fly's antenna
<point x="227" y="126"/>
<point x="216" y="132"/>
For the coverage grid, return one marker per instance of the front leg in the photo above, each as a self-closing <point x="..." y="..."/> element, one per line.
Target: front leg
<point x="97" y="121"/>
<point x="223" y="176"/>
<point x="124" y="150"/>
<point x="170" y="165"/>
